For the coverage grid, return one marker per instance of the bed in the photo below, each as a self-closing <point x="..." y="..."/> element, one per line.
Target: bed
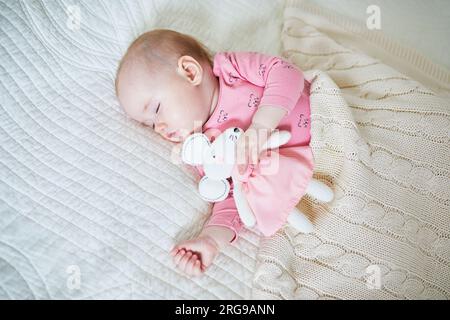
<point x="90" y="204"/>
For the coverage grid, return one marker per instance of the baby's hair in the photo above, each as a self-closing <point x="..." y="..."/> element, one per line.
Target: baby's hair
<point x="161" y="48"/>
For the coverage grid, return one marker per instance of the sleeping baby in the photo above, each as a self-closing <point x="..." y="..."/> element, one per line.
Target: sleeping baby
<point x="171" y="83"/>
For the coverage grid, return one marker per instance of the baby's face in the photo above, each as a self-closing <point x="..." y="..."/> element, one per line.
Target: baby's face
<point x="168" y="103"/>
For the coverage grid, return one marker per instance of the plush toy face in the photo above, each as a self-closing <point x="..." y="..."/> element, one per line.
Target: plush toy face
<point x="217" y="158"/>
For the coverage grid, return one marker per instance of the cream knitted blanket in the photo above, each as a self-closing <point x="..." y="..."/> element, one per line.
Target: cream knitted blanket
<point x="381" y="140"/>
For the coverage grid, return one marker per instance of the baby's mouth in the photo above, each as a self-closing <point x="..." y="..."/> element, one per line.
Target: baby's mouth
<point x="174" y="136"/>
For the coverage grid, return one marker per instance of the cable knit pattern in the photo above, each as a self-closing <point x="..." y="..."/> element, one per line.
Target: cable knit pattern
<point x="381" y="141"/>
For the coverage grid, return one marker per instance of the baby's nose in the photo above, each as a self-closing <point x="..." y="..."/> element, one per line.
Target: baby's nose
<point x="160" y="127"/>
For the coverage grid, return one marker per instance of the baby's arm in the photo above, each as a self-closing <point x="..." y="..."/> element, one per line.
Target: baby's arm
<point x="268" y="117"/>
<point x="194" y="256"/>
<point x="283" y="85"/>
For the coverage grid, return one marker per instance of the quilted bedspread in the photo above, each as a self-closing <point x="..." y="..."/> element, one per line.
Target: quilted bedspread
<point x="90" y="203"/>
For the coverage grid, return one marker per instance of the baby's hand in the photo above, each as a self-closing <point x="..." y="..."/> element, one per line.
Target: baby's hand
<point x="249" y="144"/>
<point x="195" y="255"/>
<point x="264" y="121"/>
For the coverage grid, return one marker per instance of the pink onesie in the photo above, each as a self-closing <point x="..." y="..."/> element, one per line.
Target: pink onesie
<point x="248" y="80"/>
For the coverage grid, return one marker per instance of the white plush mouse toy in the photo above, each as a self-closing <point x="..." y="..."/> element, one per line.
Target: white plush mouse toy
<point x="218" y="160"/>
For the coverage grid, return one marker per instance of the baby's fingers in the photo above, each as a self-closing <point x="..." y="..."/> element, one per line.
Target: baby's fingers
<point x="197" y="268"/>
<point x="253" y="155"/>
<point x="174" y="251"/>
<point x="183" y="262"/>
<point x="179" y="256"/>
<point x="191" y="265"/>
<point x="242" y="157"/>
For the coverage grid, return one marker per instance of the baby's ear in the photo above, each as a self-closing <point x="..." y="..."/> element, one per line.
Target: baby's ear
<point x="193" y="149"/>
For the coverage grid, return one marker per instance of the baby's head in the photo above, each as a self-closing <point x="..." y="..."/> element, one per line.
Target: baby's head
<point x="165" y="81"/>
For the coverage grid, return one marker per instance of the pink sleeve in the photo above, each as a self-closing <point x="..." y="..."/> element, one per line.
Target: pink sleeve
<point x="282" y="81"/>
<point x="224" y="213"/>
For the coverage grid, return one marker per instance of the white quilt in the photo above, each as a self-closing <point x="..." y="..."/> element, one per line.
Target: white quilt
<point x="89" y="203"/>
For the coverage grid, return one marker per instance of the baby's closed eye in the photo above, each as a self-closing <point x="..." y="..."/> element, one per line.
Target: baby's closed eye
<point x="151" y="123"/>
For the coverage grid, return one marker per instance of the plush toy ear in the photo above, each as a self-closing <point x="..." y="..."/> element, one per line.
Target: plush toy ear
<point x="276" y="139"/>
<point x="193" y="149"/>
<point x="213" y="190"/>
